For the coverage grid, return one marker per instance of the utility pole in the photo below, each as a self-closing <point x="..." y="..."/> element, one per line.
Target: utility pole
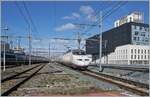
<point x="30" y="47"/>
<point x="100" y="43"/>
<point x="78" y="34"/>
<point x="4" y="52"/>
<point x="49" y="52"/>
<point x="79" y="40"/>
<point x="4" y="55"/>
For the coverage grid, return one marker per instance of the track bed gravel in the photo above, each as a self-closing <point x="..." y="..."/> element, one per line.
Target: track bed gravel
<point x="142" y="77"/>
<point x="55" y="79"/>
<point x="15" y="70"/>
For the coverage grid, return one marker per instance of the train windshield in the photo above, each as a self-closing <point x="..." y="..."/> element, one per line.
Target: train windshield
<point x="79" y="52"/>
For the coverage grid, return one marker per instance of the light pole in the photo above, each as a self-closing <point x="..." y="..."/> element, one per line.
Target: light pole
<point x="4" y="52"/>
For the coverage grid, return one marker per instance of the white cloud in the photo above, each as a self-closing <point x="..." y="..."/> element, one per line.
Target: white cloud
<point x="67" y="17"/>
<point x="73" y="16"/>
<point x="76" y="15"/>
<point x="89" y="12"/>
<point x="68" y="26"/>
<point x="86" y="10"/>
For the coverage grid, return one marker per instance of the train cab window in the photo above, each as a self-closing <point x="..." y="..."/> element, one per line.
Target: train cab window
<point x="79" y="52"/>
<point x="86" y="59"/>
<point x="79" y="59"/>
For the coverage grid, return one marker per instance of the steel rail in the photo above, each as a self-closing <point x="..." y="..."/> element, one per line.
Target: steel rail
<point x="130" y="85"/>
<point x="15" y="75"/>
<point x="13" y="88"/>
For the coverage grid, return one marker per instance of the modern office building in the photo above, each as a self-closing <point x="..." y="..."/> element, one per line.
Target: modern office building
<point x="128" y="54"/>
<point x="133" y="32"/>
<point x="137" y="17"/>
<point x="128" y="33"/>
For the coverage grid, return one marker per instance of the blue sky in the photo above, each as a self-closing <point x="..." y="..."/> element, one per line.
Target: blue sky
<point x="55" y="19"/>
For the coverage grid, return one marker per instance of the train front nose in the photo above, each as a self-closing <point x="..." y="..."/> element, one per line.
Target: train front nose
<point x="83" y="62"/>
<point x="87" y="61"/>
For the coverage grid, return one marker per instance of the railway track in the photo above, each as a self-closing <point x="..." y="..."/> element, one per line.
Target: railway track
<point x="13" y="82"/>
<point x="14" y="75"/>
<point x="129" y="68"/>
<point x="129" y="85"/>
<point x="11" y="66"/>
<point x="132" y="86"/>
<point x="136" y="69"/>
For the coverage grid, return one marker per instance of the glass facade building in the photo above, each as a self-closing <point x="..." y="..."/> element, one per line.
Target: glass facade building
<point x="140" y="35"/>
<point x="128" y="33"/>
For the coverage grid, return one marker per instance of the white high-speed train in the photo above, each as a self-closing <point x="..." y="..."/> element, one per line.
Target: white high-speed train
<point x="76" y="59"/>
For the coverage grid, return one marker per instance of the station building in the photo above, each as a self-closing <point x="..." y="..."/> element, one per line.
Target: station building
<point x="133" y="32"/>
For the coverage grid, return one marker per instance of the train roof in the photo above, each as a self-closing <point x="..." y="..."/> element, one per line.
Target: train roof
<point x="77" y="52"/>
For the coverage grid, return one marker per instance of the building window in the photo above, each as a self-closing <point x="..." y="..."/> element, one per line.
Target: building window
<point x="148" y="51"/>
<point x="146" y="40"/>
<point x="136" y="33"/>
<point x="132" y="51"/>
<point x="138" y="56"/>
<point x="134" y="38"/>
<point x="145" y="56"/>
<point x="134" y="56"/>
<point x="141" y="56"/>
<point x="141" y="28"/>
<point x="135" y="51"/>
<point x="138" y="51"/>
<point x="143" y="34"/>
<point x="138" y="38"/>
<point x="137" y="27"/>
<point x="131" y="56"/>
<point x="145" y="51"/>
<point x="142" y="51"/>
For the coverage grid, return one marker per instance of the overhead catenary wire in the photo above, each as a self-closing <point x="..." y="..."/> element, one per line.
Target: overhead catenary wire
<point x="115" y="8"/>
<point x="96" y="13"/>
<point x="30" y="18"/>
<point x="22" y="13"/>
<point x="27" y="17"/>
<point x="105" y="12"/>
